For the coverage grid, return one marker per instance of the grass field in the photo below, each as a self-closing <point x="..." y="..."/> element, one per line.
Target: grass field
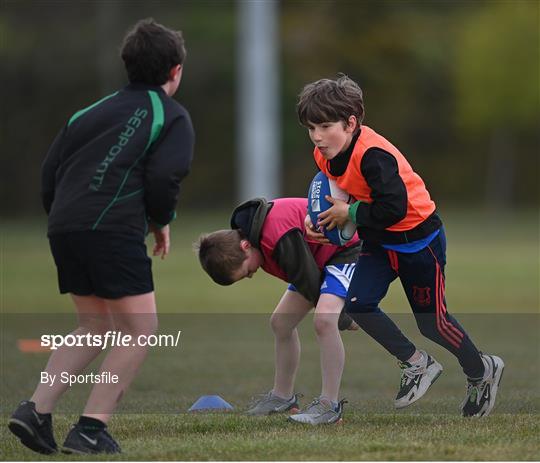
<point x="226" y="349"/>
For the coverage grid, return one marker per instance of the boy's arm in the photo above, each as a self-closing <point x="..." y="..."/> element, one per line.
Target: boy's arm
<point x="168" y="163"/>
<point x="389" y="206"/>
<point x="294" y="257"/>
<point x="48" y="171"/>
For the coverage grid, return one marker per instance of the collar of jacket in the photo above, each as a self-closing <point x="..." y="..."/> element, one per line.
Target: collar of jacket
<point x="141" y="87"/>
<point x="249" y="217"/>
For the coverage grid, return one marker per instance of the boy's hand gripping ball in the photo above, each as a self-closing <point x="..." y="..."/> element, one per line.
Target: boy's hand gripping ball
<point x="320" y="187"/>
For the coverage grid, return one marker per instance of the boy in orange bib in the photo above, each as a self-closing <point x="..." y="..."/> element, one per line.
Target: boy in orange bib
<point x="403" y="238"/>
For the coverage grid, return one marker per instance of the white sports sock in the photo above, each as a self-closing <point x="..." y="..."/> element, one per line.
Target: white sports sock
<point x="326" y="400"/>
<point x="419" y="361"/>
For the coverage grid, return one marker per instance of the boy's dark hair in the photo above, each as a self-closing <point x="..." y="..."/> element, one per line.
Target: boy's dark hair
<point x="150" y="51"/>
<point x="220" y="254"/>
<point x="328" y="100"/>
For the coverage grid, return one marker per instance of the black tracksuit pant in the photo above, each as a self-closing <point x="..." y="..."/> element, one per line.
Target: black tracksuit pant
<point x="422" y="277"/>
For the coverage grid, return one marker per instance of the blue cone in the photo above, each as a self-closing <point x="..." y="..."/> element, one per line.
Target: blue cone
<point x="210" y="402"/>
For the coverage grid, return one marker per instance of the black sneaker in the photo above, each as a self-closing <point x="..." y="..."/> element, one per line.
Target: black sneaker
<point x="480" y="398"/>
<point x="416" y="379"/>
<point x="81" y="442"/>
<point x="33" y="430"/>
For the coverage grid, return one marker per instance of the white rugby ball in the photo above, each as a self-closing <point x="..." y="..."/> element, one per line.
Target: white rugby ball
<point x="320" y="187"/>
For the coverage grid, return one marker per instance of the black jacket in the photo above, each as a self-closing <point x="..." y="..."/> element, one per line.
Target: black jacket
<point x="118" y="163"/>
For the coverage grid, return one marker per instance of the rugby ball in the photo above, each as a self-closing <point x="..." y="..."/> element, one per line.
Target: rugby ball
<point x="320" y="187"/>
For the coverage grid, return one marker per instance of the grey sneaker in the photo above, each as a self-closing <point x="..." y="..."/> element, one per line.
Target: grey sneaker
<point x="416" y="379"/>
<point x="318" y="412"/>
<point x="480" y="398"/>
<point x="268" y="404"/>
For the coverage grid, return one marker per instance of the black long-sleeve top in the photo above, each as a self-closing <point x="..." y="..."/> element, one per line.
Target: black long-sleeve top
<point x="118" y="163"/>
<point x="388" y="192"/>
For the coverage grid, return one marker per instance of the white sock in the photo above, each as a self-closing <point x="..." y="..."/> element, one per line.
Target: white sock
<point x="418" y="361"/>
<point x="333" y="404"/>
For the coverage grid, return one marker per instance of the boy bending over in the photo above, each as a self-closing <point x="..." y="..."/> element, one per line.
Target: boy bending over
<point x="271" y="235"/>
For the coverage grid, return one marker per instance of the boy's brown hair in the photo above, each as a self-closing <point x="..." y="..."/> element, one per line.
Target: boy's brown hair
<point x="220" y="254"/>
<point x="328" y="100"/>
<point x="150" y="50"/>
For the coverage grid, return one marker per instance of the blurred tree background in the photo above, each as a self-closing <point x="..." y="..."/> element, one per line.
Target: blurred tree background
<point x="454" y="84"/>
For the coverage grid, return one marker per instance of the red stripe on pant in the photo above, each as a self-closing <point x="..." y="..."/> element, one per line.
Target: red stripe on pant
<point x="451" y="327"/>
<point x="445" y="328"/>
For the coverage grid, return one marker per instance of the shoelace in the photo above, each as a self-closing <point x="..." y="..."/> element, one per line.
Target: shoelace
<point x="475" y="390"/>
<point x="318" y="407"/>
<point x="473" y="393"/>
<point x="409" y="371"/>
<point x="315" y="407"/>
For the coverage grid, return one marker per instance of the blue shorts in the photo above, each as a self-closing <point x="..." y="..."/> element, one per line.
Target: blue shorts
<point x="336" y="279"/>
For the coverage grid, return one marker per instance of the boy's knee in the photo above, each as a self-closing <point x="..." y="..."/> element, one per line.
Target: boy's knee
<point x="139" y="324"/>
<point x="362" y="312"/>
<point x="280" y="324"/>
<point x="427" y="325"/>
<point x="96" y="326"/>
<point x="325" y="323"/>
<point x="355" y="306"/>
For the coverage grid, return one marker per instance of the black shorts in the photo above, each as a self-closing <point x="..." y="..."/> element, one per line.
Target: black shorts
<point x="105" y="264"/>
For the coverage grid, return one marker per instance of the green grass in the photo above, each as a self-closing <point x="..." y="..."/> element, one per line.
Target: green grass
<point x="493" y="266"/>
<point x="231" y="355"/>
<point x="362" y="437"/>
<point x="227" y="348"/>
